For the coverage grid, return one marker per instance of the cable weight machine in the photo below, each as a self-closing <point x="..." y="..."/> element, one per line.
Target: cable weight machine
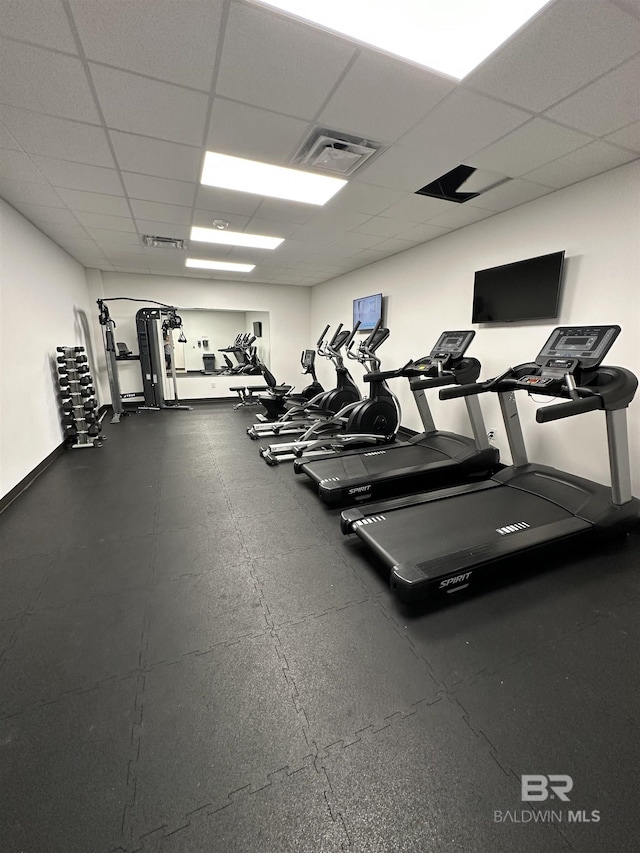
<point x="151" y="326"/>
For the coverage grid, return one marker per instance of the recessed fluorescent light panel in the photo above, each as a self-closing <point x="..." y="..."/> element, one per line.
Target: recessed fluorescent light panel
<point x="449" y="36"/>
<point x="234" y="238"/>
<point x="250" y="176"/>
<point x="218" y="265"/>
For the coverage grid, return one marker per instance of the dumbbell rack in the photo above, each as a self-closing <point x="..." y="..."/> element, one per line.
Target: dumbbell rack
<point x="79" y="404"/>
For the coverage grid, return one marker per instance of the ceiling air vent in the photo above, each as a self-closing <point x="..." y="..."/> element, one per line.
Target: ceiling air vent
<point x="335" y="152"/>
<point x="163" y="242"/>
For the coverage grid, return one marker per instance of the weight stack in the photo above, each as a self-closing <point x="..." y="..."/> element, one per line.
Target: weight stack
<point x="78" y="399"/>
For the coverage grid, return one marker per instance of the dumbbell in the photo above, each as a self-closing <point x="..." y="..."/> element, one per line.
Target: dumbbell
<point x="81" y="359"/>
<point x="85" y="380"/>
<point x="93" y="429"/>
<point x="87" y="392"/>
<point x="89" y="405"/>
<point x="83" y="368"/>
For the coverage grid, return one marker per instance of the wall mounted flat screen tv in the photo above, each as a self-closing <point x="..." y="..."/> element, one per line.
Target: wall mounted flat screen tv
<point x="524" y="290"/>
<point x="367" y="309"/>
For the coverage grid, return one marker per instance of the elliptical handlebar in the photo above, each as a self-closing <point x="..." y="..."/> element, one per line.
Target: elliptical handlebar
<point x="321" y="338"/>
<point x="335" y="336"/>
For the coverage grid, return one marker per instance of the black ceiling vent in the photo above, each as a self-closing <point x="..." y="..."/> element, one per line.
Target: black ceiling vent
<point x="474" y="181"/>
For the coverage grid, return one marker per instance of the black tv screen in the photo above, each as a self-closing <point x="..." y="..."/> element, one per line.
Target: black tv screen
<point x="367" y="309"/>
<point x="524" y="290"/>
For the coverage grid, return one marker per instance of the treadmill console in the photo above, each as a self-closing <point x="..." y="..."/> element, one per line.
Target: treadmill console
<point x="451" y="345"/>
<point x="570" y="347"/>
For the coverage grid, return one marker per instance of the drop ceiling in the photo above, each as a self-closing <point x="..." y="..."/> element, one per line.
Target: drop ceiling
<point x="105" y="118"/>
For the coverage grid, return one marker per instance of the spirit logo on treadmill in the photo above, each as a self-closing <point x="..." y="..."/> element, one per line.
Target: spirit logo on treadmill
<point x="455" y="580"/>
<point x="359" y="490"/>
<point x="512" y="528"/>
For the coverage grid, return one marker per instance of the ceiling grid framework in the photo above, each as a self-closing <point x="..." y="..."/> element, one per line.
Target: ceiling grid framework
<point x="105" y="120"/>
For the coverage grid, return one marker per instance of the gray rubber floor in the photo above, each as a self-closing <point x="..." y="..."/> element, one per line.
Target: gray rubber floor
<point x="194" y="659"/>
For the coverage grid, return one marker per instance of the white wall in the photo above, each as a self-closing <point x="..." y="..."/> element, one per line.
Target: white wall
<point x="429" y="288"/>
<point x="287" y="308"/>
<point x="44" y="303"/>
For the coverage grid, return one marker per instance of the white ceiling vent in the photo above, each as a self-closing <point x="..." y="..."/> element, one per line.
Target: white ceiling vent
<point x="335" y="152"/>
<point x="163" y="242"/>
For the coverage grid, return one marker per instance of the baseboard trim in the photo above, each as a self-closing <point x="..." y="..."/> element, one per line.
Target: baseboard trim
<point x="18" y="489"/>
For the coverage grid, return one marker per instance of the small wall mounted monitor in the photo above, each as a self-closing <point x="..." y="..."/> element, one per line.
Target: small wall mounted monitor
<point x="368" y="310"/>
<point x="524" y="290"/>
<point x="257" y="328"/>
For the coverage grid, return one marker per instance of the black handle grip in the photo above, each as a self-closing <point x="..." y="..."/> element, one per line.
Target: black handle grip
<point x="353" y="334"/>
<point x="321" y="338"/>
<point x="337" y="332"/>
<point x="566" y="410"/>
<point x="431" y="381"/>
<point x="462" y="391"/>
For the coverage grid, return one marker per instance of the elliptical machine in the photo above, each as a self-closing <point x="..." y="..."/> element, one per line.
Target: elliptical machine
<point x="323" y="406"/>
<point x="375" y="420"/>
<point x="275" y="402"/>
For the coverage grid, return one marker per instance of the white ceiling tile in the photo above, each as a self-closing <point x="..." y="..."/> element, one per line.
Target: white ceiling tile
<point x="160" y="38"/>
<point x="402" y="168"/>
<point x="158" y="212"/>
<point x="278" y="64"/>
<point x="417" y="208"/>
<point x="464" y="215"/>
<point x="116" y="239"/>
<point x="37" y="79"/>
<point x="6" y="139"/>
<point x="163" y="190"/>
<point x="393" y="246"/>
<point x="290" y="211"/>
<point x="423" y="233"/>
<point x="17" y="166"/>
<point x="628" y="137"/>
<point x="353" y="240"/>
<point x="101" y="220"/>
<point x="383" y="227"/>
<point x="67" y="233"/>
<point x="606" y="105"/>
<point x="459" y="126"/>
<point x="26" y="192"/>
<point x="38" y="214"/>
<point x="43" y="23"/>
<point x="58" y="137"/>
<point x="270" y="227"/>
<point x="155" y="157"/>
<point x="509" y="195"/>
<point x="226" y="201"/>
<point x="246" y="131"/>
<point x="364" y="198"/>
<point x="139" y="105"/>
<point x="571" y="42"/>
<point x="368" y="103"/>
<point x="79" y="176"/>
<point x="591" y="160"/>
<point x="537" y="142"/>
<point x="95" y="202"/>
<point x="343" y="219"/>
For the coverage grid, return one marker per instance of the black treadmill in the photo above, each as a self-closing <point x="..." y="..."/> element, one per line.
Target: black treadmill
<point x="445" y="541"/>
<point x="429" y="460"/>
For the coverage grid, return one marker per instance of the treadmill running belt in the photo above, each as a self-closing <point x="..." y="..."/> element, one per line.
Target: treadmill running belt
<point x="423" y="533"/>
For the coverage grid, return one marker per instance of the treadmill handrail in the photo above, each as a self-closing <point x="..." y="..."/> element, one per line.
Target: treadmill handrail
<point x="568" y="409"/>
